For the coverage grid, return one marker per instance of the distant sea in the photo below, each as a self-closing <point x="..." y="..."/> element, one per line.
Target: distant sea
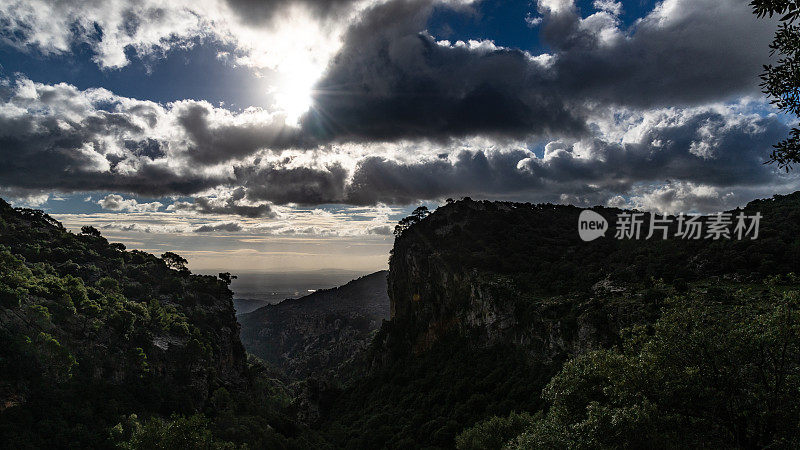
<point x="254" y="290"/>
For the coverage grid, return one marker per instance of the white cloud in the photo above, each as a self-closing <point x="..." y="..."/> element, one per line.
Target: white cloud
<point x="683" y="197"/>
<point x="115" y="202"/>
<point x="23" y="198"/>
<point x="533" y="21"/>
<point x="556" y="6"/>
<point x="54" y="27"/>
<point x="609" y="6"/>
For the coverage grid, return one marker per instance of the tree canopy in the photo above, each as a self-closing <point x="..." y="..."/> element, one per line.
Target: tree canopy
<point x="90" y="231"/>
<point x="175" y="261"/>
<point x="781" y="81"/>
<point x="416" y="217"/>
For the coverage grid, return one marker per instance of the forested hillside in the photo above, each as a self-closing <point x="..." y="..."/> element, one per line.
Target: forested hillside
<point x="506" y="331"/>
<point x="103" y="347"/>
<point x="503" y="318"/>
<point x="317" y="335"/>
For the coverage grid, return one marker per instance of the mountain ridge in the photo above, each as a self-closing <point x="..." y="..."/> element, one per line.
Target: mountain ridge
<point x="315" y="334"/>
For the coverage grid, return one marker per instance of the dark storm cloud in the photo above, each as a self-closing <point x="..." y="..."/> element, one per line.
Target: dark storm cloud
<point x="214" y="143"/>
<point x="704" y="147"/>
<point x="257" y="12"/>
<point x="302" y="185"/>
<point x="230" y="205"/>
<point x="230" y="227"/>
<point x="49" y="157"/>
<point x="392" y="80"/>
<point x="685" y="52"/>
<point x="719" y="149"/>
<point x="71" y="140"/>
<point x="381" y="180"/>
<point x="707" y="148"/>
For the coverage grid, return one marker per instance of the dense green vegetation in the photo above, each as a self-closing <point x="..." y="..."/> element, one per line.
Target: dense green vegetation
<point x="104" y="347"/>
<point x="665" y="344"/>
<point x="494" y="432"/>
<point x="719" y="369"/>
<point x="428" y="399"/>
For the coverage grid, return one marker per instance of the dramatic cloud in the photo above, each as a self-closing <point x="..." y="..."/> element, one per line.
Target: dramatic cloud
<point x="683" y="52"/>
<point x="58" y="137"/>
<point x="476" y="173"/>
<point x="221" y="205"/>
<point x="230" y="227"/>
<point x="218" y="136"/>
<point x="301" y="185"/>
<point x="393" y="80"/>
<point x="116" y="202"/>
<point x="655" y="146"/>
<point x="656" y="114"/>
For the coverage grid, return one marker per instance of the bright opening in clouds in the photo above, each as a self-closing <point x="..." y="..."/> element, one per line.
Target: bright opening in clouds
<point x="293" y="92"/>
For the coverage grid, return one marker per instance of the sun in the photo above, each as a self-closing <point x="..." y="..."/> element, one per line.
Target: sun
<point x="293" y="94"/>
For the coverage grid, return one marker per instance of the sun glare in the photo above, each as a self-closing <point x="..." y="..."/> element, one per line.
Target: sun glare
<point x="293" y="96"/>
<point x="297" y="50"/>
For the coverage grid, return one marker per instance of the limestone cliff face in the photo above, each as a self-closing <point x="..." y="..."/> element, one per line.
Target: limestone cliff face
<point x="429" y="302"/>
<point x="443" y="280"/>
<point x="502" y="272"/>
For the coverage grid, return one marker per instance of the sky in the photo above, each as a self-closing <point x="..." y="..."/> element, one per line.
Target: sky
<point x="286" y="135"/>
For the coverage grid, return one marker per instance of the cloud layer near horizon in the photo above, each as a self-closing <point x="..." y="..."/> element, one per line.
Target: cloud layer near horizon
<point x="663" y="114"/>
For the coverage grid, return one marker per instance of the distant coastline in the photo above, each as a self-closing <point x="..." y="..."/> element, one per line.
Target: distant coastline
<point x="256" y="289"/>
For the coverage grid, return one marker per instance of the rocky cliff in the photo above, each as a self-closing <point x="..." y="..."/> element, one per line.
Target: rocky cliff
<point x="485" y="270"/>
<point x="513" y="272"/>
<point x="488" y="301"/>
